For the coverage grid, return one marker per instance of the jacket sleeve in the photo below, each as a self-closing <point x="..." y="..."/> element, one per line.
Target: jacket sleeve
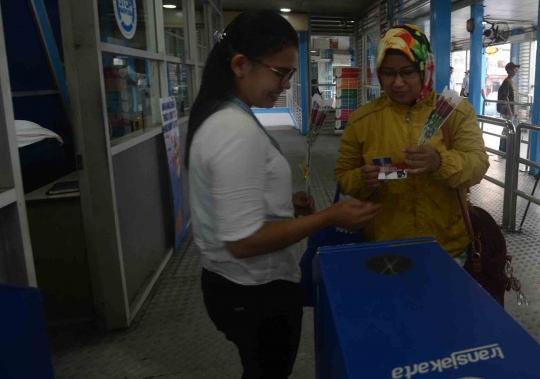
<point x="467" y="162"/>
<point x="350" y="161"/>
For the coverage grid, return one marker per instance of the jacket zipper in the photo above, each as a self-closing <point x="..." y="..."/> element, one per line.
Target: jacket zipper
<point x="408" y="115"/>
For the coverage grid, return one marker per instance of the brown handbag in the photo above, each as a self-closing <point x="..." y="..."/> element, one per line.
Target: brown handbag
<point x="488" y="261"/>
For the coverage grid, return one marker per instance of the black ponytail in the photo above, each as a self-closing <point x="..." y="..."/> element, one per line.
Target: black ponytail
<point x="254" y="34"/>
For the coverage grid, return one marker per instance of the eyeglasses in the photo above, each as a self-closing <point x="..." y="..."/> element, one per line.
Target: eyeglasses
<point x="286" y="76"/>
<point x="405" y="74"/>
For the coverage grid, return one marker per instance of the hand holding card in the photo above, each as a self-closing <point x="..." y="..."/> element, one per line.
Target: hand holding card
<point x="422" y="159"/>
<point x="370" y="176"/>
<point x="389" y="170"/>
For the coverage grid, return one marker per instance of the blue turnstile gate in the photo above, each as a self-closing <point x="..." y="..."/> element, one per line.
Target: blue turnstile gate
<point x="406" y="309"/>
<point x="24" y="345"/>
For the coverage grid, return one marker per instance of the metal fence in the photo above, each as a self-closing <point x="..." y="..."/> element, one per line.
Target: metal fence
<point x="523" y="109"/>
<point x="514" y="138"/>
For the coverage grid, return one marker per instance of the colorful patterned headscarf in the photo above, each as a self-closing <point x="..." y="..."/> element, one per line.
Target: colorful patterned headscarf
<point x="411" y="41"/>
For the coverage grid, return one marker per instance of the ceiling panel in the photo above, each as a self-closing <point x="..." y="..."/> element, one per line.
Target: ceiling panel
<point x="302" y="6"/>
<point x="519" y="14"/>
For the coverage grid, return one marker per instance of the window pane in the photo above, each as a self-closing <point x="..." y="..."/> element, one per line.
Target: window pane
<point x="202" y="31"/>
<point x="459" y="62"/>
<point x="216" y="22"/>
<point x="132" y="93"/>
<point x="175" y="43"/>
<point x="179" y="86"/>
<point x="372" y="39"/>
<point x="128" y="23"/>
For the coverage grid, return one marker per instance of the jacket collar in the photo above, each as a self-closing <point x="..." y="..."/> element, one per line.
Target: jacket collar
<point x="429" y="101"/>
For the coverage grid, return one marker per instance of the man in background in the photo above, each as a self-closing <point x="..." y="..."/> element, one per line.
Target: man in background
<point x="465" y="85"/>
<point x="452" y="84"/>
<point x="507" y="92"/>
<point x="314" y="88"/>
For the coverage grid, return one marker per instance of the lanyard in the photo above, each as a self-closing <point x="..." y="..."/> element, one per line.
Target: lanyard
<point x="245" y="108"/>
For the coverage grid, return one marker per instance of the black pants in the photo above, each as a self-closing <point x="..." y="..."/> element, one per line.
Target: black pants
<point x="264" y="322"/>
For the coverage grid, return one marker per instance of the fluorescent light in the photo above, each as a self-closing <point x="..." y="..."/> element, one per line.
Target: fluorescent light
<point x="313" y="51"/>
<point x="169" y="6"/>
<point x="285" y="10"/>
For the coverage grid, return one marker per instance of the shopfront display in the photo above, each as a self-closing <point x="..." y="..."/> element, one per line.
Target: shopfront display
<point x="131" y="90"/>
<point x="179" y="87"/>
<point x="346" y="94"/>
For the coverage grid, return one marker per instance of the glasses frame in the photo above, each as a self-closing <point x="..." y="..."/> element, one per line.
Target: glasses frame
<point x="404" y="76"/>
<point x="285" y="76"/>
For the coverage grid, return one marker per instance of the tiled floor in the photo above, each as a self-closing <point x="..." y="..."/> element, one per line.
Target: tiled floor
<point x="173" y="338"/>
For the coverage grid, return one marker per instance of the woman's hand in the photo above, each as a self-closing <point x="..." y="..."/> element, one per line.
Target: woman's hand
<point x="352" y="214"/>
<point x="370" y="176"/>
<point x="303" y="205"/>
<point x="423" y="159"/>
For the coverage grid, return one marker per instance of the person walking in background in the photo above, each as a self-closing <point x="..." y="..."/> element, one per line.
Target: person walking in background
<point x="465" y="85"/>
<point x="507" y="92"/>
<point x="452" y="84"/>
<point x="424" y="203"/>
<point x="243" y="208"/>
<point x="314" y="88"/>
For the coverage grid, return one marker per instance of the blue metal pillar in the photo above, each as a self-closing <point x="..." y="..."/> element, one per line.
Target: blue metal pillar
<point x="514" y="53"/>
<point x="535" y="146"/>
<point x="478" y="59"/>
<point x="441" y="13"/>
<point x="305" y="87"/>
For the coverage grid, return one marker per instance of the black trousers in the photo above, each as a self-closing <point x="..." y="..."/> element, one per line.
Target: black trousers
<point x="264" y="322"/>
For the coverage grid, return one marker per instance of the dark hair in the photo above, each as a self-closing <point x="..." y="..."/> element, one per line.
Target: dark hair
<point x="254" y="34"/>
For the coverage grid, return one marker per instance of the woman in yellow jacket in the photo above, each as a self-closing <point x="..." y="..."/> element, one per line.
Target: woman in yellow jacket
<point x="425" y="203"/>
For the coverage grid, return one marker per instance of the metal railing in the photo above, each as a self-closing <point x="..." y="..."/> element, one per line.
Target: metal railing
<point x="523" y="109"/>
<point x="509" y="174"/>
<point x="516" y="160"/>
<point x="513" y="137"/>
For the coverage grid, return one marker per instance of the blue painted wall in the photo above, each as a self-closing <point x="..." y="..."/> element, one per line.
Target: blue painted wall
<point x="29" y="70"/>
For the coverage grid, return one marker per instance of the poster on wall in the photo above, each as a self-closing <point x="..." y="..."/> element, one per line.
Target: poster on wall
<point x="171" y="133"/>
<point x="334" y="44"/>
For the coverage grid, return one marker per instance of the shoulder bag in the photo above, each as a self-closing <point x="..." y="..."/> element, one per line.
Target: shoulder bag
<point x="488" y="261"/>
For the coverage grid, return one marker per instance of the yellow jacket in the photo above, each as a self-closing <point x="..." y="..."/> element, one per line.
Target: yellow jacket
<point x="417" y="206"/>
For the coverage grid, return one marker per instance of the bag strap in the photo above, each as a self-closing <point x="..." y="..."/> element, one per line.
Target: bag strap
<point x="336" y="196"/>
<point x="463" y="204"/>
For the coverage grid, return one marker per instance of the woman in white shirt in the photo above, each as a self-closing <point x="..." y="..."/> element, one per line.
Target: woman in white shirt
<point x="243" y="210"/>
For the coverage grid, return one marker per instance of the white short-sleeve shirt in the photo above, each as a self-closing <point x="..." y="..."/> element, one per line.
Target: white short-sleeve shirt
<point x="238" y="181"/>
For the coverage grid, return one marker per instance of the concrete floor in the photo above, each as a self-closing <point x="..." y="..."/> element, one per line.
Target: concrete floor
<point x="172" y="336"/>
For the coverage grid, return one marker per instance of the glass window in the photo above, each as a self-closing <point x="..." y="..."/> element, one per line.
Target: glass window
<point x="173" y="18"/>
<point x="128" y="23"/>
<point x="202" y="31"/>
<point x="372" y="39"/>
<point x="178" y="75"/>
<point x="216" y="22"/>
<point x="132" y="93"/>
<point x="458" y="60"/>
